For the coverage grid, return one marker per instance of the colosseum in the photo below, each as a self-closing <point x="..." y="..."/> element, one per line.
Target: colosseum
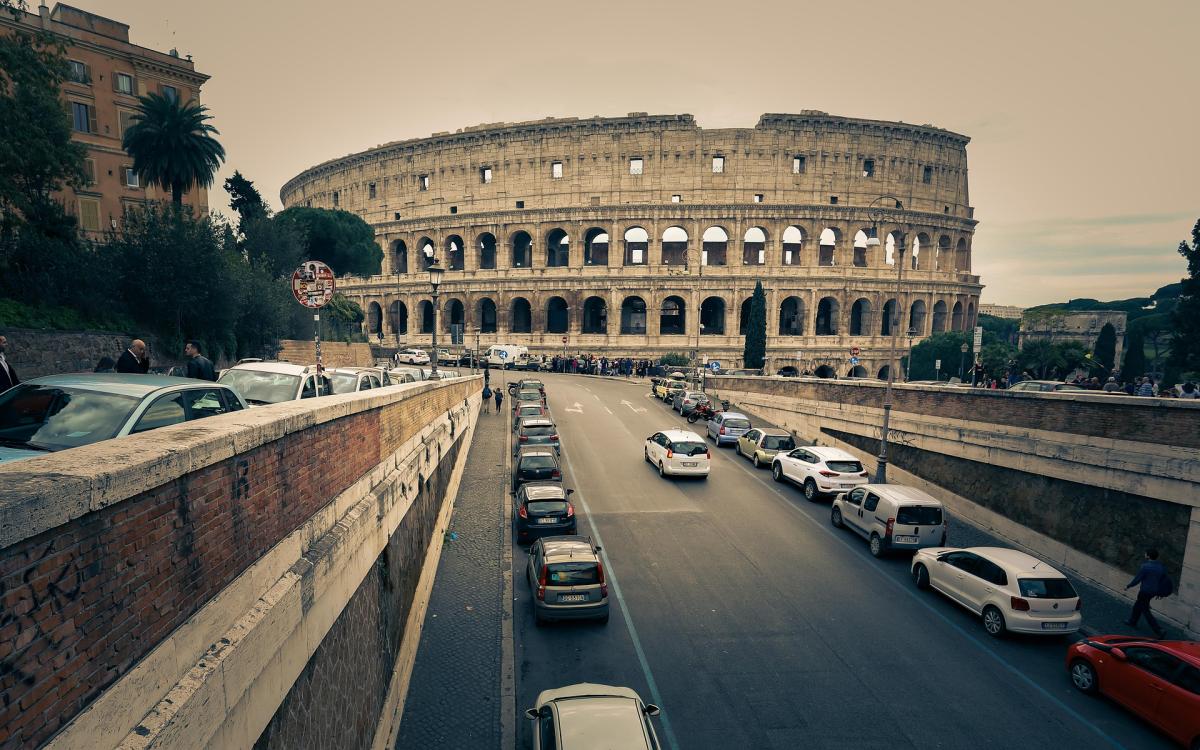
<point x="643" y="235"/>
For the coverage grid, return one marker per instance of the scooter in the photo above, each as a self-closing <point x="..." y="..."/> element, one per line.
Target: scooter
<point x="706" y="412"/>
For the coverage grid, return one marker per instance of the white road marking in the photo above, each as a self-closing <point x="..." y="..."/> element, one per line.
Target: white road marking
<point x="578" y="408"/>
<point x="636" y="409"/>
<point x="610" y="411"/>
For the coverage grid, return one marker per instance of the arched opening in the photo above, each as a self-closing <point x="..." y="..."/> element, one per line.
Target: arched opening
<point x="754" y="247"/>
<point x="860" y="317"/>
<point x="827" y="250"/>
<point x="399" y="257"/>
<point x="793" y="240"/>
<point x="943" y="261"/>
<point x="791" y="317"/>
<point x="673" y="318"/>
<point x="825" y="371"/>
<point x="426" y="308"/>
<point x="595" y="247"/>
<point x="595" y="315"/>
<point x="883" y="372"/>
<point x="637" y="245"/>
<point x="487" y="250"/>
<point x="827" y="317"/>
<point x="521" y="319"/>
<point x="970" y="323"/>
<point x="455" y="314"/>
<point x="922" y="242"/>
<point x="956" y="320"/>
<point x="916" y="318"/>
<point x="455" y="253"/>
<point x="674" y="247"/>
<point x="398" y="318"/>
<point x="374" y="319"/>
<point x="715" y="245"/>
<point x="858" y="371"/>
<point x="633" y="316"/>
<point x="744" y="316"/>
<point x="428" y="252"/>
<point x="860" y="249"/>
<point x="962" y="260"/>
<point x="939" y="317"/>
<point x="712" y="317"/>
<point x="522" y="249"/>
<point x="888" y="318"/>
<point x="557" y="315"/>
<point x="485" y="315"/>
<point x="889" y="249"/>
<point x="558" y="249"/>
<point x="789" y="371"/>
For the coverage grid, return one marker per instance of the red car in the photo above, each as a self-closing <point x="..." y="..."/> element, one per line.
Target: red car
<point x="1157" y="680"/>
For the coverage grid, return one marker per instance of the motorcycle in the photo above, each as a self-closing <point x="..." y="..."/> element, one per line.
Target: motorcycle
<point x="706" y="411"/>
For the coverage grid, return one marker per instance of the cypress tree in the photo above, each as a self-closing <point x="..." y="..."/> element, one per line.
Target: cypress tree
<point x="1135" y="356"/>
<point x="1106" y="347"/>
<point x="755" y="352"/>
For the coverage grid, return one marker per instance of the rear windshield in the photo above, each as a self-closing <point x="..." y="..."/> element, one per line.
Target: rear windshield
<point x="1046" y="588"/>
<point x="572" y="574"/>
<point x="919" y="515"/>
<point x="531" y="410"/>
<point x="539" y="431"/>
<point x="538" y="462"/>
<point x="342" y="382"/>
<point x="546" y="506"/>
<point x="779" y="443"/>
<point x="689" y="448"/>
<point x="528" y="384"/>
<point x="738" y="424"/>
<point x="845" y="467"/>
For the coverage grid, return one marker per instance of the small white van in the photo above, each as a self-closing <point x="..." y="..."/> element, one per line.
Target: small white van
<point x="891" y="517"/>
<point x="507" y="356"/>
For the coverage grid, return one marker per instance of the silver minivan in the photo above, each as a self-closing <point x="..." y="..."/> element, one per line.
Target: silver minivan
<point x="891" y="517"/>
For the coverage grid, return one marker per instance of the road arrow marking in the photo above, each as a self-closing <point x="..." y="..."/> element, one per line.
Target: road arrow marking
<point x="635" y="409"/>
<point x="578" y="408"/>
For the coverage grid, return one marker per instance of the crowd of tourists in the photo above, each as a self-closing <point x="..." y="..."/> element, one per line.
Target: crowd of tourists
<point x="591" y="365"/>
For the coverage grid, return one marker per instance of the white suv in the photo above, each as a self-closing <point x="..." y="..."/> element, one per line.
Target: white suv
<point x="263" y="383"/>
<point x="678" y="453"/>
<point x="413" y="356"/>
<point x="819" y="469"/>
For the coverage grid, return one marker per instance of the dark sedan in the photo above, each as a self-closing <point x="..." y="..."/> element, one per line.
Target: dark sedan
<point x="535" y="464"/>
<point x="543" y="509"/>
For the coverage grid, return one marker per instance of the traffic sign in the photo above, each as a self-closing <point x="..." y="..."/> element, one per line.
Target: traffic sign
<point x="564" y="339"/>
<point x="503" y="354"/>
<point x="937" y="365"/>
<point x="978" y="337"/>
<point x="312" y="284"/>
<point x="714" y="365"/>
<point x="854" y="360"/>
<point x="854" y="351"/>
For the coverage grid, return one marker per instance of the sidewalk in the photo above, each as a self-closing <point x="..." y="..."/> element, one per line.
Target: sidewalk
<point x="454" y="696"/>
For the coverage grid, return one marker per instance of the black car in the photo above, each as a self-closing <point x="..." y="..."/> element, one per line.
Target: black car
<point x="543" y="508"/>
<point x="535" y="465"/>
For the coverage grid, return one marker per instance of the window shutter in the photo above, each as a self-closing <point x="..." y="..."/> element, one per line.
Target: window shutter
<point x="115" y="78"/>
<point x="92" y="119"/>
<point x="89" y="168"/>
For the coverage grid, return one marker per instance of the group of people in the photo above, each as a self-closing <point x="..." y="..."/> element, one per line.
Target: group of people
<point x="592" y="365"/>
<point x="1138" y="386"/>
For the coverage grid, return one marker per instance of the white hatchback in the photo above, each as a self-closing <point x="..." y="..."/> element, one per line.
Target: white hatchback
<point x="1010" y="590"/>
<point x="819" y="469"/>
<point x="413" y="356"/>
<point x="678" y="453"/>
<point x="588" y="716"/>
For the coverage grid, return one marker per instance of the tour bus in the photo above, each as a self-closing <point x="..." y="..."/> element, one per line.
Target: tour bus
<point x="506" y="355"/>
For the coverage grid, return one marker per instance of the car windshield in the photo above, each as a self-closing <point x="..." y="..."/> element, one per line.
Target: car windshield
<point x="529" y="396"/>
<point x="538" y="462"/>
<point x="919" y="515"/>
<point x="689" y="448"/>
<point x="259" y="387"/>
<point x="845" y="467"/>
<point x="539" y="431"/>
<point x="545" y="507"/>
<point x="778" y="443"/>
<point x="572" y="573"/>
<point x="52" y="418"/>
<point x="343" y="382"/>
<point x="531" y="410"/>
<point x="737" y="424"/>
<point x="1046" y="588"/>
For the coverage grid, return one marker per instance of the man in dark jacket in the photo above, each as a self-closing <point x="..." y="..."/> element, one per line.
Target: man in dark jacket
<point x="134" y="359"/>
<point x="8" y="376"/>
<point x="198" y="366"/>
<point x="1155" y="582"/>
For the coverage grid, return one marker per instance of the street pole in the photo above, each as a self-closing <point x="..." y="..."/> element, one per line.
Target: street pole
<point x="435" y="280"/>
<point x="317" y="342"/>
<point x="962" y="361"/>
<point x="881" y="467"/>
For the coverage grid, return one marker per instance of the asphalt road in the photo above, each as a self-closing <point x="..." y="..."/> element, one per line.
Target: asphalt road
<point x="755" y="624"/>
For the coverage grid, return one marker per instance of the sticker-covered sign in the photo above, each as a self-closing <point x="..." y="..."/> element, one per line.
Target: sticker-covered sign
<point x="312" y="284"/>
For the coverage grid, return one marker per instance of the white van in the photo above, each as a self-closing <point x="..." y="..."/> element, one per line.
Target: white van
<point x="891" y="516"/>
<point x="506" y="356"/>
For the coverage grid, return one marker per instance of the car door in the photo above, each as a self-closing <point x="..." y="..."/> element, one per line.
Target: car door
<point x="714" y="424"/>
<point x="747" y="444"/>
<point x="1178" y="710"/>
<point x="1142" y="680"/>
<point x="165" y="410"/>
<point x="865" y="518"/>
<point x="203" y="402"/>
<point x="983" y="584"/>
<point x="533" y="565"/>
<point x="852" y="508"/>
<point x="949" y="573"/>
<point x="788" y="462"/>
<point x="802" y="468"/>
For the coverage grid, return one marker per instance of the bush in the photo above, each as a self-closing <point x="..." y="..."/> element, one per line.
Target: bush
<point x="15" y="314"/>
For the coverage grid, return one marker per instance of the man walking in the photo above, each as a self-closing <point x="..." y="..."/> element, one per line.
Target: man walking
<point x="8" y="376"/>
<point x="499" y="394"/>
<point x="134" y="359"/>
<point x="1155" y="582"/>
<point x="198" y="366"/>
<point x="487" y="399"/>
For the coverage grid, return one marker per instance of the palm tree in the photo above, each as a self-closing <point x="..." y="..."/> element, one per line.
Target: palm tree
<point x="172" y="145"/>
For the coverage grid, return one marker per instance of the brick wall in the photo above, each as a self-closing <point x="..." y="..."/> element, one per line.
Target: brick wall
<point x="333" y="353"/>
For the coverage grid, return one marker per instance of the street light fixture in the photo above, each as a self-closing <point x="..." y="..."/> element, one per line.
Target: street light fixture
<point x="962" y="360"/>
<point x="435" y="280"/>
<point x="880" y="213"/>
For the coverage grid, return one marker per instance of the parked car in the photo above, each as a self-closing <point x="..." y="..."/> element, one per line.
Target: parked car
<point x="820" y="470"/>
<point x="567" y="579"/>
<point x="528" y="411"/>
<point x="685" y="401"/>
<point x="413" y="356"/>
<point x="407" y="374"/>
<point x="535" y="464"/>
<point x="1043" y="386"/>
<point x="1157" y="680"/>
<point x="532" y="384"/>
<point x="762" y="444"/>
<point x="527" y="397"/>
<point x="543" y="508"/>
<point x="351" y="381"/>
<point x="58" y="412"/>
<point x="263" y="383"/>
<point x="678" y="453"/>
<point x="592" y="717"/>
<point x="727" y="426"/>
<point x="536" y="431"/>
<point x="891" y="517"/>
<point x="1010" y="590"/>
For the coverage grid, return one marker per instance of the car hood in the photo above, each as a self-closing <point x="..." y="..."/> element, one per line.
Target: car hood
<point x="9" y="454"/>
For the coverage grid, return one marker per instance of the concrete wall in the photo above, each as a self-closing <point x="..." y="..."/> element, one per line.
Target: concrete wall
<point x="333" y="353"/>
<point x="1085" y="481"/>
<point x="177" y="588"/>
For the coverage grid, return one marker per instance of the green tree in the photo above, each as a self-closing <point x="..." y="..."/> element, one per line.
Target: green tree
<point x="1185" y="319"/>
<point x="172" y="144"/>
<point x="755" y="351"/>
<point x="944" y="346"/>
<point x="999" y="329"/>
<point x="674" y="359"/>
<point x="1042" y="358"/>
<point x="339" y="238"/>
<point x="1106" y="347"/>
<point x="276" y="245"/>
<point x="1134" y="365"/>
<point x="245" y="199"/>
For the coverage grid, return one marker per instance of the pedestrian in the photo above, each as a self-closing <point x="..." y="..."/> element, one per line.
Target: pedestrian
<point x="1111" y="385"/>
<point x="499" y="396"/>
<point x="106" y="364"/>
<point x="487" y="399"/>
<point x="1189" y="389"/>
<point x="8" y="376"/>
<point x="1146" y="388"/>
<point x="134" y="359"/>
<point x="1155" y="582"/>
<point x="199" y="366"/>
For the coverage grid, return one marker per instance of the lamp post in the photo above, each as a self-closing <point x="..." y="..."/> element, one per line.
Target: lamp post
<point x="962" y="360"/>
<point x="435" y="280"/>
<point x="880" y="213"/>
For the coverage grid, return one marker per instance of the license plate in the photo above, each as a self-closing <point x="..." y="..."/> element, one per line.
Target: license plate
<point x="906" y="539"/>
<point x="689" y="463"/>
<point x="572" y="597"/>
<point x="547" y="520"/>
<point x="845" y="485"/>
<point x="1054" y="626"/>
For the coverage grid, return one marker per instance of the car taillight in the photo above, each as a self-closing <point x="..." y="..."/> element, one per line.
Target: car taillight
<point x="708" y="454"/>
<point x="1078" y="605"/>
<point x="554" y="437"/>
<point x="828" y="473"/>
<point x="603" y="583"/>
<point x="722" y="429"/>
<point x="541" y="589"/>
<point x="1019" y="604"/>
<point x="523" y="439"/>
<point x="891" y="523"/>
<point x="670" y="453"/>
<point x="523" y="512"/>
<point x="555" y="473"/>
<point x="570" y="510"/>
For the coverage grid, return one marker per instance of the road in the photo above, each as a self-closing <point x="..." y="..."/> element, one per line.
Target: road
<point x="755" y="624"/>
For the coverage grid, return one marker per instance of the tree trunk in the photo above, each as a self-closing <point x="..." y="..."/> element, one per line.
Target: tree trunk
<point x="177" y="193"/>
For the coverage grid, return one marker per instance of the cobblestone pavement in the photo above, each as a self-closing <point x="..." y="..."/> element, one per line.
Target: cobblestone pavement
<point x="454" y="695"/>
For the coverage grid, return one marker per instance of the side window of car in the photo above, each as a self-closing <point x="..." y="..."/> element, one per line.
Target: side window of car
<point x="992" y="573"/>
<point x="310" y="388"/>
<point x="752" y="435"/>
<point x="1189" y="680"/>
<point x="546" y="730"/>
<point x="203" y="403"/>
<point x="231" y="401"/>
<point x="364" y="383"/>
<point x="856" y="497"/>
<point x="1158" y="663"/>
<point x="166" y="410"/>
<point x="966" y="562"/>
<point x="872" y="502"/>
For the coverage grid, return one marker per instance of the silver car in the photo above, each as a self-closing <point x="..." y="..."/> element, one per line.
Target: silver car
<point x="535" y="431"/>
<point x="567" y="579"/>
<point x="727" y="426"/>
<point x="687" y="401"/>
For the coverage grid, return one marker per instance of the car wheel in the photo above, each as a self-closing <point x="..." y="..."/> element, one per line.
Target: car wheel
<point x="993" y="621"/>
<point x="604" y="619"/>
<point x="1083" y="676"/>
<point x="537" y="617"/>
<point x="876" y="546"/>
<point x="921" y="577"/>
<point x="835" y="517"/>
<point x="661" y="471"/>
<point x="646" y="455"/>
<point x="757" y="463"/>
<point x="810" y="490"/>
<point x="777" y="473"/>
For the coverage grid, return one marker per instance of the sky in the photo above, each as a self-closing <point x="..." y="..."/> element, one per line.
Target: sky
<point x="1084" y="160"/>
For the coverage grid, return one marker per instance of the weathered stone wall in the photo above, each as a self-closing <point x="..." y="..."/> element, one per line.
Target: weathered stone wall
<point x="333" y="353"/>
<point x="34" y="353"/>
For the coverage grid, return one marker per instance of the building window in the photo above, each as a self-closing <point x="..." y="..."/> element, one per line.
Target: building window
<point x="556" y="170"/>
<point x="89" y="214"/>
<point x="833" y="200"/>
<point x="123" y="83"/>
<point x="454" y="209"/>
<point x="485" y="175"/>
<point x="423" y="182"/>
<point x="868" y="167"/>
<point x="89" y="171"/>
<point x="676" y="198"/>
<point x="758" y="197"/>
<point x="798" y="165"/>
<point x="170" y="93"/>
<point x="635" y="165"/>
<point x="83" y="118"/>
<point x="396" y="216"/>
<point x="131" y="178"/>
<point x="336" y="199"/>
<point x="371" y="190"/>
<point x="79" y="72"/>
<point x="520" y="204"/>
<point x="927" y="175"/>
<point x="718" y="165"/>
<point x="125" y="120"/>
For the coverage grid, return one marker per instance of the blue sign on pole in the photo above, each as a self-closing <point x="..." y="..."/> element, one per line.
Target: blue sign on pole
<point x="503" y="354"/>
<point x="714" y="365"/>
<point x="854" y="360"/>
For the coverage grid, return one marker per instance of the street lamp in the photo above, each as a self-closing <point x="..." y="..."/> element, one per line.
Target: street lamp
<point x="962" y="360"/>
<point x="879" y="213"/>
<point x="435" y="280"/>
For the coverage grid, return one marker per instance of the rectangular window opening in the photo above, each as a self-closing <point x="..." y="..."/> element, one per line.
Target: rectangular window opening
<point x="676" y="198"/>
<point x="758" y="197"/>
<point x="556" y="171"/>
<point x="485" y="175"/>
<point x="78" y="72"/>
<point x="833" y="200"/>
<point x="927" y="175"/>
<point x="868" y="168"/>
<point x="798" y="165"/>
<point x="718" y="165"/>
<point x="371" y="190"/>
<point x="131" y="178"/>
<point x="423" y="182"/>
<point x="123" y="83"/>
<point x="336" y="198"/>
<point x="89" y="168"/>
<point x="454" y="209"/>
<point x="635" y="165"/>
<point x="520" y="204"/>
<point x="170" y="93"/>
<point x="89" y="214"/>
<point x="396" y="216"/>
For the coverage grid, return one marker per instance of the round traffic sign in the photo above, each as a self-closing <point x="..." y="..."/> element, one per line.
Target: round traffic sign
<point x="503" y="354"/>
<point x="714" y="365"/>
<point x="564" y="339"/>
<point x="854" y="351"/>
<point x="313" y="284"/>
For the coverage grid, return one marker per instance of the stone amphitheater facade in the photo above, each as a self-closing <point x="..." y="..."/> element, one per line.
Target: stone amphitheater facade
<point x="646" y="234"/>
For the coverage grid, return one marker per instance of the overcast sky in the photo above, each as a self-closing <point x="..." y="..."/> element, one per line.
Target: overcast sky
<point x="1084" y="163"/>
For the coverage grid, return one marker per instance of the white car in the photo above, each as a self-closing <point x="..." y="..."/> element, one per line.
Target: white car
<point x="592" y="717"/>
<point x="262" y="383"/>
<point x="678" y="453"/>
<point x="413" y="356"/>
<point x="819" y="469"/>
<point x="891" y="517"/>
<point x="1010" y="590"/>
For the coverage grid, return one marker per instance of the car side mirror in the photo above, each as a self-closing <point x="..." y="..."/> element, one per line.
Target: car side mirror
<point x="570" y="492"/>
<point x="651" y="710"/>
<point x="1119" y="654"/>
<point x="531" y="713"/>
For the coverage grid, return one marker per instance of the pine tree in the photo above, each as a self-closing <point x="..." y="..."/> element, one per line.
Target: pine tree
<point x="1106" y="347"/>
<point x="1185" y="340"/>
<point x="755" y="352"/>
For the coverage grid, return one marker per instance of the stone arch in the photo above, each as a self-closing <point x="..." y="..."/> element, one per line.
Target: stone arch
<point x="887" y="318"/>
<point x="916" y="317"/>
<point x="942" y="259"/>
<point x="754" y="247"/>
<point x="558" y="315"/>
<point x="793" y="243"/>
<point x="595" y="247"/>
<point x="714" y="247"/>
<point x="791" y="317"/>
<point x="712" y="316"/>
<point x="860" y="249"/>
<point x="487" y="250"/>
<point x="789" y="371"/>
<point x="858" y="371"/>
<point x="883" y="372"/>
<point x="558" y="248"/>
<point x="399" y="257"/>
<point x="744" y="316"/>
<point x="637" y="246"/>
<point x="956" y="317"/>
<point x="827" y="317"/>
<point x="374" y="319"/>
<point x="860" y="317"/>
<point x="672" y="319"/>
<point x="486" y="315"/>
<point x="595" y="315"/>
<point x="831" y="237"/>
<point x="522" y="249"/>
<point x="922" y="242"/>
<point x="456" y="253"/>
<point x="889" y="249"/>
<point x="970" y="316"/>
<point x="939" y="317"/>
<point x="521" y="318"/>
<point x="825" y="371"/>
<point x="962" y="255"/>
<point x="674" y="246"/>
<point x="426" y="309"/>
<point x="426" y="253"/>
<point x="633" y="315"/>
<point x="398" y="317"/>
<point x="455" y="314"/>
